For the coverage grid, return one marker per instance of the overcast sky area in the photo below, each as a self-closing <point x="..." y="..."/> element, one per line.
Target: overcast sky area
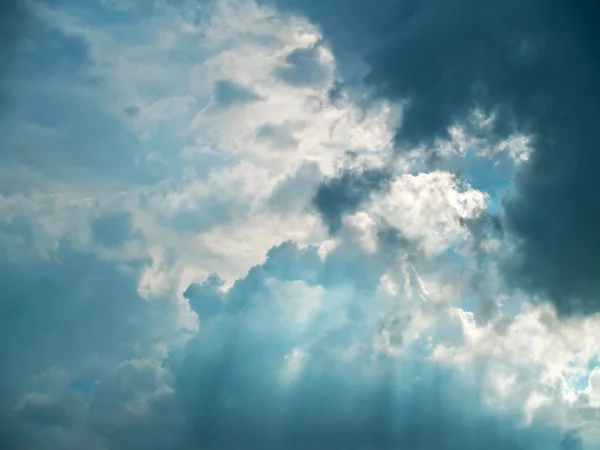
<point x="299" y="224"/>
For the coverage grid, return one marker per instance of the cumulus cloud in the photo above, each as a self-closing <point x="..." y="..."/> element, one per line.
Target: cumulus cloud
<point x="341" y="393"/>
<point x="430" y="207"/>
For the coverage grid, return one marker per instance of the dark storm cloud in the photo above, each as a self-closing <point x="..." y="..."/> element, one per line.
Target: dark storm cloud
<point x="345" y="192"/>
<point x="533" y="64"/>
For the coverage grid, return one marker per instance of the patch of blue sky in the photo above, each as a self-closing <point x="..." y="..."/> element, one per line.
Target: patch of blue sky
<point x="512" y="305"/>
<point x="491" y="174"/>
<point x="593" y="363"/>
<point x="578" y="377"/>
<point x="454" y="262"/>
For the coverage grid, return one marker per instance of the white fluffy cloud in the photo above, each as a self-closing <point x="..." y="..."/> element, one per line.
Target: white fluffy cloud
<point x="428" y="207"/>
<point x="532" y="361"/>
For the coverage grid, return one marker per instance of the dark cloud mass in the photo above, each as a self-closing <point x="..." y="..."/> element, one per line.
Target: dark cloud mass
<point x="345" y="192"/>
<point x="533" y="65"/>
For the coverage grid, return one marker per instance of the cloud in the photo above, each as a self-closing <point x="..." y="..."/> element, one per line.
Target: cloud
<point x="112" y="230"/>
<point x="304" y="67"/>
<point x="345" y="192"/>
<point x="282" y="136"/>
<point x="295" y="192"/>
<point x="60" y="360"/>
<point x="228" y="93"/>
<point x="340" y="394"/>
<point x="429" y="207"/>
<point x="529" y="65"/>
<point x="211" y="239"/>
<point x="56" y="312"/>
<point x="43" y="409"/>
<point x="526" y="369"/>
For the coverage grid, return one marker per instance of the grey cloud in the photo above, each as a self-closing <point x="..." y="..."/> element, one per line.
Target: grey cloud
<point x="150" y="419"/>
<point x="303" y="68"/>
<point x="132" y="111"/>
<point x="481" y="283"/>
<point x="74" y="312"/>
<point x="571" y="441"/>
<point x="206" y="299"/>
<point x="203" y="215"/>
<point x="112" y="230"/>
<point x="345" y="192"/>
<point x="296" y="191"/>
<point x="281" y="136"/>
<point x="43" y="409"/>
<point x="69" y="328"/>
<point x="534" y="64"/>
<point x="11" y="433"/>
<point x="228" y="93"/>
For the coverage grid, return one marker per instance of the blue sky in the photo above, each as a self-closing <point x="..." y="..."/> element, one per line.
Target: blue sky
<point x="235" y="224"/>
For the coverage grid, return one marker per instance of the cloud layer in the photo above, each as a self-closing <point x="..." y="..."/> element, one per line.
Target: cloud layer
<point x="265" y="224"/>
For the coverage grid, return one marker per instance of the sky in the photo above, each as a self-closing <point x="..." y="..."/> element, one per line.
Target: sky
<point x="299" y="224"/>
